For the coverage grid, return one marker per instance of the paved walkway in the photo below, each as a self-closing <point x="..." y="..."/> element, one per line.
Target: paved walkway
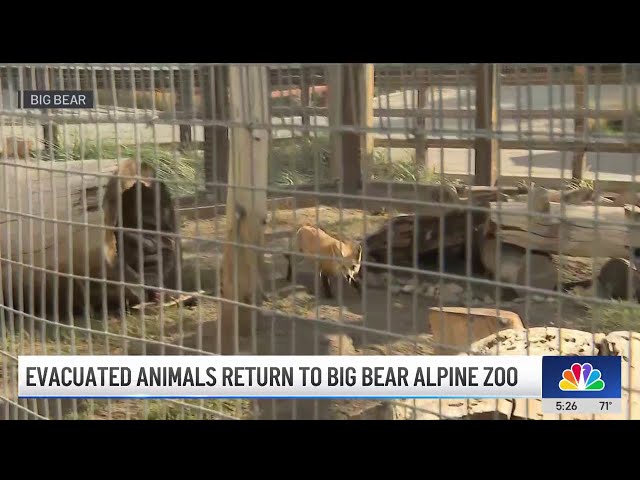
<point x="513" y="162"/>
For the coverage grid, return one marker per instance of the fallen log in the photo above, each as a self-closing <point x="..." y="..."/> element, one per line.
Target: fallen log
<point x="58" y="222"/>
<point x="573" y="230"/>
<point x="398" y="237"/>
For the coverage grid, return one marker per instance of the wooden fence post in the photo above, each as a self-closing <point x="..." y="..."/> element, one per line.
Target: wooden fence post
<point x="185" y="106"/>
<point x="305" y="101"/>
<point x="49" y="129"/>
<point x="246" y="201"/>
<point x="421" y="148"/>
<point x="216" y="139"/>
<point x="351" y="104"/>
<point x="579" y="100"/>
<point x="486" y="149"/>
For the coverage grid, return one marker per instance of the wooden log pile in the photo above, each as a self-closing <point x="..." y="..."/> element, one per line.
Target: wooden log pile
<point x="448" y="226"/>
<point x="404" y="236"/>
<point x="574" y="223"/>
<point x="515" y="242"/>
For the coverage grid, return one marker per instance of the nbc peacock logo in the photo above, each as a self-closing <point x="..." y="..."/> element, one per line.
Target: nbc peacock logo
<point x="581" y="377"/>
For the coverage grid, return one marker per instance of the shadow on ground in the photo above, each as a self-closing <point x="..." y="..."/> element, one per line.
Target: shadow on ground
<point x="614" y="163"/>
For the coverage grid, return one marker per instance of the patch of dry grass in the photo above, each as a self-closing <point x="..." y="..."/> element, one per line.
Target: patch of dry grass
<point x="119" y="336"/>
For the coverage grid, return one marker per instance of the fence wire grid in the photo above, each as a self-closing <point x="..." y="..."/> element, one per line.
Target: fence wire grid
<point x="494" y="207"/>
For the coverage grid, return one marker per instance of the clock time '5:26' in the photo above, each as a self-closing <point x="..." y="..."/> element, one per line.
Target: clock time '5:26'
<point x="566" y="406"/>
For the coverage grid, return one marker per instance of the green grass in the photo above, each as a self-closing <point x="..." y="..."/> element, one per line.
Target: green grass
<point x="57" y="338"/>
<point x="299" y="161"/>
<point x="405" y="170"/>
<point x="621" y="316"/>
<point x="178" y="170"/>
<point x="161" y="410"/>
<point x="612" y="128"/>
<point x="296" y="161"/>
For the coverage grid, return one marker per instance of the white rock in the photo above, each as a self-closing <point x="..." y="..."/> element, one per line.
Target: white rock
<point x="409" y="288"/>
<point x="428" y="290"/>
<point x="538" y="298"/>
<point x="395" y="288"/>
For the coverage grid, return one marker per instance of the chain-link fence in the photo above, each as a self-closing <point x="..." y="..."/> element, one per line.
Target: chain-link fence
<point x="376" y="210"/>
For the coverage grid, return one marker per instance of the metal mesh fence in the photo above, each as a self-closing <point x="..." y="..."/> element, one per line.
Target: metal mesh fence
<point x="447" y="209"/>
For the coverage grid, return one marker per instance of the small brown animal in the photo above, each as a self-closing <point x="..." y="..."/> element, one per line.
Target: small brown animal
<point x="249" y="262"/>
<point x="345" y="259"/>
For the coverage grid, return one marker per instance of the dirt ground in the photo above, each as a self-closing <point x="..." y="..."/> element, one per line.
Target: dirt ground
<point x="296" y="319"/>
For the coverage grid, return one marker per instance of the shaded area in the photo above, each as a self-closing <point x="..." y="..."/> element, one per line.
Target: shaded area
<point x="615" y="163"/>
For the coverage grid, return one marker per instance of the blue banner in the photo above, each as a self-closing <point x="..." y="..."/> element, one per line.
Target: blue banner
<point x="581" y="377"/>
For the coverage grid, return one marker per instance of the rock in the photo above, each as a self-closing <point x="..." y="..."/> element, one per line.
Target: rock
<point x="451" y="409"/>
<point x="626" y="344"/>
<point x="539" y="340"/>
<point x="537" y="298"/>
<point x="291" y="290"/>
<point x="450" y="292"/>
<point x="395" y="289"/>
<point x="598" y="338"/>
<point x="337" y="345"/>
<point x="566" y="342"/>
<point x="409" y="288"/>
<point x="455" y="329"/>
<point x="550" y="299"/>
<point x="488" y="299"/>
<point x="429" y="290"/>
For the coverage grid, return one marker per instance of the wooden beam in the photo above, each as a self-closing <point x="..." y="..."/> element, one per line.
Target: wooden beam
<point x="246" y="202"/>
<point x="50" y="137"/>
<point x="579" y="156"/>
<point x="350" y="105"/>
<point x="486" y="155"/>
<point x="366" y="109"/>
<point x="216" y="138"/>
<point x="185" y="106"/>
<point x="334" y="83"/>
<point x="421" y="148"/>
<point x="273" y="204"/>
<point x="305" y="101"/>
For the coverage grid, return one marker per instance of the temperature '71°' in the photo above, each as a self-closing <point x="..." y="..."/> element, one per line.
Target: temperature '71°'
<point x="604" y="405"/>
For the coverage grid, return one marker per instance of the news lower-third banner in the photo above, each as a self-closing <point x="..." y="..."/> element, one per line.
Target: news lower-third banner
<point x="565" y="384"/>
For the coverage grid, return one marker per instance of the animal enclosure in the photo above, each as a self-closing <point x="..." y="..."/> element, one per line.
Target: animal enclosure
<point x="478" y="209"/>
